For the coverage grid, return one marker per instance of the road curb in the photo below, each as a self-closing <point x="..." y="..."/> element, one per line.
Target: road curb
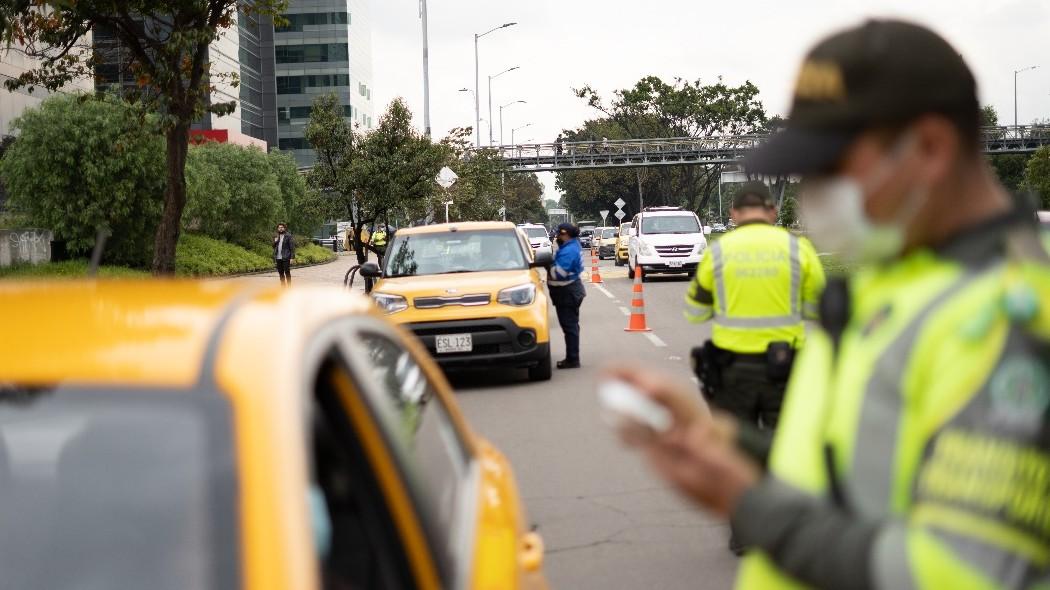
<point x="269" y="270"/>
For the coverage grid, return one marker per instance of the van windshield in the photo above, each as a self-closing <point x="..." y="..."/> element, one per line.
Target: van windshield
<point x="670" y="224"/>
<point x="535" y="232"/>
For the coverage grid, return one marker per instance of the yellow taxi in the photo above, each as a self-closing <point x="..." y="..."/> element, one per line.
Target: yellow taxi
<point x="623" y="239"/>
<point x="207" y="435"/>
<point x="472" y="292"/>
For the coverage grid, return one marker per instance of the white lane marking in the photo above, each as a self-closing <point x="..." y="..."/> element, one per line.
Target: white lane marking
<point x="655" y="340"/>
<point x="625" y="311"/>
<point x="604" y="290"/>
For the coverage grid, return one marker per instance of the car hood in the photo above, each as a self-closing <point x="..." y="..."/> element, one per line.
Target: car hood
<point x="465" y="283"/>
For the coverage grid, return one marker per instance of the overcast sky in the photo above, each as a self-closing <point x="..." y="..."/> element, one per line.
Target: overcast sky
<point x="610" y="44"/>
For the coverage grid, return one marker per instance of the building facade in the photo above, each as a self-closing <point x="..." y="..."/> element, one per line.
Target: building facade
<point x="324" y="47"/>
<point x="12" y="64"/>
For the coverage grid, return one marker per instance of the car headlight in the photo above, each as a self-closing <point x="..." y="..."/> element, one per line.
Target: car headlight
<point x="645" y="249"/>
<point x="546" y="244"/>
<point x="390" y="303"/>
<point x="518" y="296"/>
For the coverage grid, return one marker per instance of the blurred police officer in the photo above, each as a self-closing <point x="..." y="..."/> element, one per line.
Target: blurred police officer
<point x="756" y="285"/>
<point x="914" y="446"/>
<point x="567" y="291"/>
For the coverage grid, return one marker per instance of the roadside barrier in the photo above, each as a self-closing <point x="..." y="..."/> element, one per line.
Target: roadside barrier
<point x="596" y="277"/>
<point x="636" y="322"/>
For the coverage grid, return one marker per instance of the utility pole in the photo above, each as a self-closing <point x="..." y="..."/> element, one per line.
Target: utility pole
<point x="638" y="174"/>
<point x="1015" y="91"/>
<point x="477" y="82"/>
<point x="426" y="69"/>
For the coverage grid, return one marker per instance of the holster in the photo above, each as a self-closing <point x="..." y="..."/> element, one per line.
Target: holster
<point x="780" y="357"/>
<point x="708" y="362"/>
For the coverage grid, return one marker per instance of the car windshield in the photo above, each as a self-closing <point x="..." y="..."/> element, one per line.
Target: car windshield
<point x="116" y="490"/>
<point x="536" y="232"/>
<point x="670" y="224"/>
<point x="609" y="232"/>
<point x="452" y="252"/>
<point x="624" y="228"/>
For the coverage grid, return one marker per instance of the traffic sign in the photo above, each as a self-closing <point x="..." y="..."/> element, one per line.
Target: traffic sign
<point x="556" y="211"/>
<point x="446" y="177"/>
<point x="619" y="214"/>
<point x="620" y="203"/>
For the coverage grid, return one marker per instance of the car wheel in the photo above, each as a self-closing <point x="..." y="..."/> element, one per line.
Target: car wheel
<point x="542" y="371"/>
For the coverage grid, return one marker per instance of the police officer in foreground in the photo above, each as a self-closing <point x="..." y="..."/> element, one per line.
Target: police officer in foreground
<point x="914" y="446"/>
<point x="755" y="285"/>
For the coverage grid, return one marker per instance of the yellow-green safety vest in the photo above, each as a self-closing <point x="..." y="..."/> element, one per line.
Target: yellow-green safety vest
<point x="757" y="283"/>
<point x="933" y="412"/>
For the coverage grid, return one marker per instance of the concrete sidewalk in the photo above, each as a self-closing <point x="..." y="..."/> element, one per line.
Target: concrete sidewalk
<point x="331" y="273"/>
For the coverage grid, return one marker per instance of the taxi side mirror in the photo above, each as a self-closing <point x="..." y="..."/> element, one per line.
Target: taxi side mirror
<point x="542" y="259"/>
<point x="370" y="270"/>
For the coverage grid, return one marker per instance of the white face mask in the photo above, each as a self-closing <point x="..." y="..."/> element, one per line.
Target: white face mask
<point x="832" y="209"/>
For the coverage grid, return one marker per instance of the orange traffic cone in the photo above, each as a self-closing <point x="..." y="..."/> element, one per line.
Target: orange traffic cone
<point x="636" y="323"/>
<point x="596" y="277"/>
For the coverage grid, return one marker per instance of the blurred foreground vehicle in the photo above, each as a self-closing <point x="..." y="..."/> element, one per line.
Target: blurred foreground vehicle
<point x="212" y="436"/>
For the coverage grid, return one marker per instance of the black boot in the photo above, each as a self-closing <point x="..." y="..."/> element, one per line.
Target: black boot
<point x="569" y="364"/>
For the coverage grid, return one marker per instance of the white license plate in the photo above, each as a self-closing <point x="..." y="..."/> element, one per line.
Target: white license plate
<point x="674" y="263"/>
<point x="454" y="343"/>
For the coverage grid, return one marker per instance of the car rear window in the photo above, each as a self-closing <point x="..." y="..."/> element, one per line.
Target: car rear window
<point x="115" y="490"/>
<point x="535" y="232"/>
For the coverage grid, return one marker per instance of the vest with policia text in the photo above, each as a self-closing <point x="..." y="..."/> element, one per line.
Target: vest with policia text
<point x="758" y="283"/>
<point x="929" y="420"/>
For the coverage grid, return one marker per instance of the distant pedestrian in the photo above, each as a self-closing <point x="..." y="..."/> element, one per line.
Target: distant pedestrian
<point x="567" y="291"/>
<point x="557" y="145"/>
<point x="283" y="253"/>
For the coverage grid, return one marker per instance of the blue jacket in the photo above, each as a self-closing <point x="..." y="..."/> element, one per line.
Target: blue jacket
<point x="568" y="264"/>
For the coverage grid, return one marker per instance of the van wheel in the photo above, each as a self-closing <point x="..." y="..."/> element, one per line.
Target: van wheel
<point x="542" y="371"/>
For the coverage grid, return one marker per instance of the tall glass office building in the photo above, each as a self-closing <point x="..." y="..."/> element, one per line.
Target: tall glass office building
<point x="325" y="47"/>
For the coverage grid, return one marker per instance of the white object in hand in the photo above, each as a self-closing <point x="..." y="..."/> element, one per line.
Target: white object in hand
<point x="623" y="401"/>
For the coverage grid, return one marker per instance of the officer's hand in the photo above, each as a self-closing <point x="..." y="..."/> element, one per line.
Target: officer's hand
<point x="697" y="454"/>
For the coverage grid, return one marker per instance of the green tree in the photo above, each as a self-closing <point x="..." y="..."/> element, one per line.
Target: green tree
<point x="82" y="165"/>
<point x="524" y="198"/>
<point x="165" y="44"/>
<point x="653" y="108"/>
<point x="478" y="194"/>
<point x="1010" y="168"/>
<point x="303" y="208"/>
<point x="989" y="116"/>
<point x="1037" y="176"/>
<point x="234" y="194"/>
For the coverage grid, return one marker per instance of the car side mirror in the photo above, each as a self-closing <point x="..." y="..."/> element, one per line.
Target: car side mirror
<point x="370" y="270"/>
<point x="632" y="232"/>
<point x="543" y="259"/>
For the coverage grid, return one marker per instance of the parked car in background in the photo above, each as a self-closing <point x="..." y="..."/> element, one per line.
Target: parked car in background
<point x="213" y="435"/>
<point x="623" y="238"/>
<point x="586" y="232"/>
<point x="606" y="242"/>
<point x="537" y="236"/>
<point x="718" y="227"/>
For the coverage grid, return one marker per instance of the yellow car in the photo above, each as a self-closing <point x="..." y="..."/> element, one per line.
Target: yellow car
<point x="472" y="292"/>
<point x="623" y="238"/>
<point x="205" y="435"/>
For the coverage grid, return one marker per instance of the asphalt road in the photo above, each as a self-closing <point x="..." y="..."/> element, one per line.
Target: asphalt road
<point x="606" y="521"/>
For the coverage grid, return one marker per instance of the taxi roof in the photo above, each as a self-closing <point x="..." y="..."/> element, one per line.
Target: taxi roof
<point x="148" y="332"/>
<point x="456" y="226"/>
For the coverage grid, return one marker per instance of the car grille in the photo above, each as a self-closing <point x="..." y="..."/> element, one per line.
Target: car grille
<point x="678" y="251"/>
<point x="464" y="300"/>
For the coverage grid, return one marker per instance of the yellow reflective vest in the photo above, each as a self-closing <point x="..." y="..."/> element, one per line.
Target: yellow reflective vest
<point x="925" y="425"/>
<point x="758" y="283"/>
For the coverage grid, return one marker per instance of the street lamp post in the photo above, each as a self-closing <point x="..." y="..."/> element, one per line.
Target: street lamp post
<point x="426" y="69"/>
<point x="477" y="81"/>
<point x="491" y="78"/>
<point x="447" y="203"/>
<point x="1015" y="89"/>
<point x="515" y="129"/>
<point x="501" y="117"/>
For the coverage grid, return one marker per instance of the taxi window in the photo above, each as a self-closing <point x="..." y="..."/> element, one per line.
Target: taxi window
<point x="438" y="460"/>
<point x="454" y="252"/>
<point x="116" y="490"/>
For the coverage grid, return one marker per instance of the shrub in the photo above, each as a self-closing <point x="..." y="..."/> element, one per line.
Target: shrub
<point x="68" y="269"/>
<point x="81" y="164"/>
<point x="203" y="256"/>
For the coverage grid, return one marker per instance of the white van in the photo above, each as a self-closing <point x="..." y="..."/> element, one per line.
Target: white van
<point x="665" y="240"/>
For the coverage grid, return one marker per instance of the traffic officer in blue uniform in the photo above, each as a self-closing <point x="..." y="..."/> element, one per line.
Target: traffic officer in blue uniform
<point x="567" y="291"/>
<point x="913" y="450"/>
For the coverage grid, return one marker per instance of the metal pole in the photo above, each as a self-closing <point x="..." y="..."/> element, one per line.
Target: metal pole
<point x="501" y="125"/>
<point x="720" y="197"/>
<point x="1015" y="100"/>
<point x="477" y="104"/>
<point x="638" y="173"/>
<point x="490" y="111"/>
<point x="426" y="69"/>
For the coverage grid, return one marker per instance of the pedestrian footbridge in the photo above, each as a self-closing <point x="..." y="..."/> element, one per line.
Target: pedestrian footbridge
<point x="723" y="149"/>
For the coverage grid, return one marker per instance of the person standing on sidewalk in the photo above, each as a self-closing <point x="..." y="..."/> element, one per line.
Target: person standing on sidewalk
<point x="756" y="285"/>
<point x="567" y="291"/>
<point x="283" y="253"/>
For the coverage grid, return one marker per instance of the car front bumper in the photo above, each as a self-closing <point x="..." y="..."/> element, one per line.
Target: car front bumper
<point x="496" y="342"/>
<point x="658" y="264"/>
<point x="606" y="250"/>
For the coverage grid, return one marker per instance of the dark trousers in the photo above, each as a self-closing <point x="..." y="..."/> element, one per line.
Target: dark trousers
<point x="752" y="397"/>
<point x="284" y="270"/>
<point x="567" y="301"/>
